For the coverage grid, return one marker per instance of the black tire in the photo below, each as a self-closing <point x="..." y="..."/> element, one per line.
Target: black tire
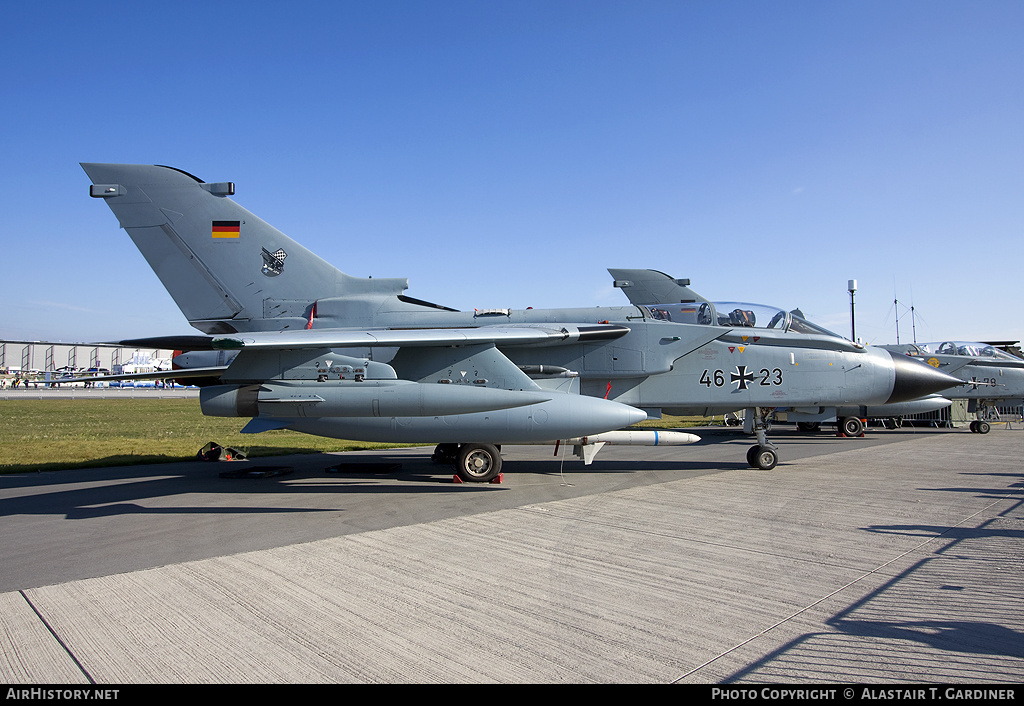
<point x="984" y="427"/>
<point x="762" y="457"/>
<point x="851" y="426"/>
<point x="445" y="453"/>
<point x="478" y="463"/>
<point x="974" y="426"/>
<point x="808" y="426"/>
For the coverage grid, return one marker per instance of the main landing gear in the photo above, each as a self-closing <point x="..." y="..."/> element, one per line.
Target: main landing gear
<point x="762" y="455"/>
<point x="845" y="426"/>
<point x="851" y="426"/>
<point x="985" y="412"/>
<point x="473" y="463"/>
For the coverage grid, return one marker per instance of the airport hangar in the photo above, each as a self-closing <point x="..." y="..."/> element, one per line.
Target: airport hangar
<point x="41" y="357"/>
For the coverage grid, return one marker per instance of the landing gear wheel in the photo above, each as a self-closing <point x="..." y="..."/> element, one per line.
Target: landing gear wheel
<point x="983" y="427"/>
<point x="445" y="453"/>
<point x="808" y="426"/>
<point x="851" y="426"/>
<point x="974" y="426"/>
<point x="763" y="457"/>
<point x="478" y="463"/>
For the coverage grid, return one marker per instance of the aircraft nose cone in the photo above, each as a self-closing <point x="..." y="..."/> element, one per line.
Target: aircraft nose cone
<point x="605" y="414"/>
<point x="615" y="415"/>
<point x="915" y="378"/>
<point x="635" y="416"/>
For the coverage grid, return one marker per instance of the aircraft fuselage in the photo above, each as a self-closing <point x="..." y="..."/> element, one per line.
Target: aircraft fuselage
<point x="678" y="368"/>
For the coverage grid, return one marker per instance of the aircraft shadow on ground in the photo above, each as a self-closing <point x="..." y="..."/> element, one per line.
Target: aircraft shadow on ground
<point x="972" y="637"/>
<point x="951" y="637"/>
<point x="262" y="453"/>
<point x="110" y="491"/>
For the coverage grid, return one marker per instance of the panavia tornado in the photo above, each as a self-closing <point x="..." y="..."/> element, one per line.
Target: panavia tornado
<point x="988" y="375"/>
<point x="292" y="342"/>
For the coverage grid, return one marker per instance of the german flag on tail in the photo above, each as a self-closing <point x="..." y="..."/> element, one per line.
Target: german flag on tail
<point x="227" y="229"/>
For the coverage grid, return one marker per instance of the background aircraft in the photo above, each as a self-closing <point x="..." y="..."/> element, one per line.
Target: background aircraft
<point x="989" y="376"/>
<point x="850" y="420"/>
<point x="326" y="353"/>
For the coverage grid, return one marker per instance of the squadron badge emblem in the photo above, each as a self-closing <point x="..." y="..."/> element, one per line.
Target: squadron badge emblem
<point x="273" y="262"/>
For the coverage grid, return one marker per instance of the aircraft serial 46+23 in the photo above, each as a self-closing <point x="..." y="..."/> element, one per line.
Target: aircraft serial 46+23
<point x="292" y="342"/>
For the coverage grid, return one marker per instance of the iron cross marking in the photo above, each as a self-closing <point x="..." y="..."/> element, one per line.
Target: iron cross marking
<point x="741" y="376"/>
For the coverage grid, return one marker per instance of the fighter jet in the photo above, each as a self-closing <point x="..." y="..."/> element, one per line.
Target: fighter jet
<point x="988" y="375"/>
<point x="323" y="352"/>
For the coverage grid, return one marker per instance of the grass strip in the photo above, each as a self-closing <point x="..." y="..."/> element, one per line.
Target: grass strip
<point x="56" y="434"/>
<point x="47" y="435"/>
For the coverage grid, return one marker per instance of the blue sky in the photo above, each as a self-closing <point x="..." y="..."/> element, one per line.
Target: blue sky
<point x="504" y="154"/>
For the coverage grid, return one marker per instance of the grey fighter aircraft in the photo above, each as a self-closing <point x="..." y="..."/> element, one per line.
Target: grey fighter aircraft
<point x="326" y="353"/>
<point x="988" y="375"/>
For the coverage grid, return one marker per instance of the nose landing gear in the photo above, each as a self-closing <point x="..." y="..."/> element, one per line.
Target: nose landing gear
<point x="762" y="455"/>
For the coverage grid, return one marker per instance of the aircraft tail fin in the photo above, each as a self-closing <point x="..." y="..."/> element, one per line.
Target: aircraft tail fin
<point x="653" y="287"/>
<point x="226" y="269"/>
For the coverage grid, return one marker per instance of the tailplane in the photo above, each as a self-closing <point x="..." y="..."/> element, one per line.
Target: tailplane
<point x="226" y="269"/>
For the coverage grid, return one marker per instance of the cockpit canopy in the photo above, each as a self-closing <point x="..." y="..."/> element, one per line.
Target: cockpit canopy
<point x="736" y="314"/>
<point x="965" y="348"/>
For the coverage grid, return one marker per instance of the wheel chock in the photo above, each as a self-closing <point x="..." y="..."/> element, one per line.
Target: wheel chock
<point x="493" y="481"/>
